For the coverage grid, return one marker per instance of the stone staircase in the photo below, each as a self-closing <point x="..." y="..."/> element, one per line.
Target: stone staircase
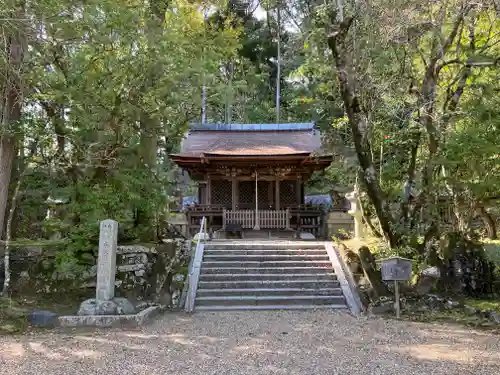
<point x="266" y="275"/>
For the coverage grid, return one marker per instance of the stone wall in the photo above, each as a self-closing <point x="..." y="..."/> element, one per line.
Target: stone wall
<point x="143" y="272"/>
<point x="339" y="223"/>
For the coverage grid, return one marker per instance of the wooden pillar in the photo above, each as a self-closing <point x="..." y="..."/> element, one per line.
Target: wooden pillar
<point x="298" y="194"/>
<point x="234" y="194"/>
<point x="269" y="193"/>
<point x="298" y="189"/>
<point x="277" y="194"/>
<point x="257" y="223"/>
<point x="209" y="190"/>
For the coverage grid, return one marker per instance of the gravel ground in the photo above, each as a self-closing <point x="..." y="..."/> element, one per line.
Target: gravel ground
<point x="270" y="342"/>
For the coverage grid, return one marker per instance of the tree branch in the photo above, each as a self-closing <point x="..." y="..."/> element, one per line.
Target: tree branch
<point x="358" y="124"/>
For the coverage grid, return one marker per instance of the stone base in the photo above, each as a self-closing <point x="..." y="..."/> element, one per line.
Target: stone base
<point x="110" y="321"/>
<point x="117" y="306"/>
<point x="306" y="236"/>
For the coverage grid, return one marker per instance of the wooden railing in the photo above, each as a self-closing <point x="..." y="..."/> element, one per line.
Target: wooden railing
<point x="205" y="207"/>
<point x="268" y="219"/>
<point x="246" y="218"/>
<point x="272" y="219"/>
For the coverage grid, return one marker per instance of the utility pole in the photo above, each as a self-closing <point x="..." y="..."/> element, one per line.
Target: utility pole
<point x="203" y="104"/>
<point x="204" y="88"/>
<point x="340" y="8"/>
<point x="278" y="74"/>
<point x="229" y="94"/>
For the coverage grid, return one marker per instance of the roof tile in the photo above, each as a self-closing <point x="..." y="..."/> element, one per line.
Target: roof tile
<point x="250" y="143"/>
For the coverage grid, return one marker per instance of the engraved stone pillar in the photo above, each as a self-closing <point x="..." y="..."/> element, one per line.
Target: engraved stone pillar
<point x="106" y="262"/>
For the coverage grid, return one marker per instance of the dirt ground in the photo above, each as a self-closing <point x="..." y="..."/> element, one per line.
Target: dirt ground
<point x="255" y="342"/>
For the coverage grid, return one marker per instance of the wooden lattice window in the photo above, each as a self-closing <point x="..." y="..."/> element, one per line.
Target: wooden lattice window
<point x="221" y="191"/>
<point x="263" y="189"/>
<point x="247" y="192"/>
<point x="288" y="195"/>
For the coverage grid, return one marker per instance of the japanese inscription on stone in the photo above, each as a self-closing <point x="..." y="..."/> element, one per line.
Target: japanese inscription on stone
<point x="106" y="262"/>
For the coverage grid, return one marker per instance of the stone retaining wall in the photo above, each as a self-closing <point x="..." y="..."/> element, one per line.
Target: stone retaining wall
<point x="142" y="272"/>
<point x="339" y="222"/>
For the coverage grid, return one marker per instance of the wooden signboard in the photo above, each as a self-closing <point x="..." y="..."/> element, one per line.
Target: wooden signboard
<point x="396" y="269"/>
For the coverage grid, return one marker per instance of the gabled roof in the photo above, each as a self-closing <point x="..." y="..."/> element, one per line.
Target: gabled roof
<point x="206" y="143"/>
<point x="253" y="127"/>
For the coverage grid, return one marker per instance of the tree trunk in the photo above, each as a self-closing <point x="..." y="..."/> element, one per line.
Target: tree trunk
<point x="148" y="147"/>
<point x="10" y="108"/>
<point x="7" y="156"/>
<point x="358" y="125"/>
<point x="371" y="273"/>
<point x="149" y="142"/>
<point x="488" y="221"/>
<point x="55" y="113"/>
<point x="367" y="220"/>
<point x="427" y="102"/>
<point x="410" y="179"/>
<point x="8" y="238"/>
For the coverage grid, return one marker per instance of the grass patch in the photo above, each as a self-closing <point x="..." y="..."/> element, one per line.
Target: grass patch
<point x="14" y="311"/>
<point x="36" y="243"/>
<point x="12" y="317"/>
<point x="371" y="242"/>
<point x="484" y="304"/>
<point x="492" y="249"/>
<point x="455" y="317"/>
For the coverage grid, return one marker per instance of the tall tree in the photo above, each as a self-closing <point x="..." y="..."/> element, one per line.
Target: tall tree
<point x="12" y="93"/>
<point x="437" y="48"/>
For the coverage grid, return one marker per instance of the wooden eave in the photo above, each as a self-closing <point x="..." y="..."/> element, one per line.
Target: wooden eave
<point x="304" y="159"/>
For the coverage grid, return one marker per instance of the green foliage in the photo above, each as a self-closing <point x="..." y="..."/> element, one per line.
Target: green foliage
<point x="106" y="83"/>
<point x="110" y="87"/>
<point x="492" y="251"/>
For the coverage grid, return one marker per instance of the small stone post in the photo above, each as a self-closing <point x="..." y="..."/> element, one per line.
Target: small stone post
<point x="355" y="211"/>
<point x="106" y="263"/>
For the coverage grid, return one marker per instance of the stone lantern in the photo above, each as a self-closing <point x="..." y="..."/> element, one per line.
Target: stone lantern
<point x="355" y="211"/>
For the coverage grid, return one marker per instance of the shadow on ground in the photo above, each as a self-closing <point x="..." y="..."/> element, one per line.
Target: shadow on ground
<point x="279" y="342"/>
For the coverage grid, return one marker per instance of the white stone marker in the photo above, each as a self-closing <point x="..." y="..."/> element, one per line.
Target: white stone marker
<point x="106" y="262"/>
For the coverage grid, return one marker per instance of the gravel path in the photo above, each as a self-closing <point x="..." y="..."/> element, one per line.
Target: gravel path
<point x="271" y="342"/>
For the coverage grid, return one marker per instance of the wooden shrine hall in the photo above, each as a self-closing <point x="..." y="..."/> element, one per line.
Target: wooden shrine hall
<point x="253" y="175"/>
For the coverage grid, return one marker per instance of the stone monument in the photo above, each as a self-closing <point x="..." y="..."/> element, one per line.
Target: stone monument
<point x="106" y="266"/>
<point x="355" y="211"/>
<point x="105" y="302"/>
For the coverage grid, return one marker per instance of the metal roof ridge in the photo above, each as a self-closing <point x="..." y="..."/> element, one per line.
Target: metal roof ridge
<point x="252" y="127"/>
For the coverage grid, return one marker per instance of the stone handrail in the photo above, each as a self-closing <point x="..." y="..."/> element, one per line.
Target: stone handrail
<point x="195" y="266"/>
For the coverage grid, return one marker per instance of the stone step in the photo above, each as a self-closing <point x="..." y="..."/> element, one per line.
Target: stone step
<point x="267" y="275"/>
<point x="270" y="292"/>
<point x="254" y="270"/>
<point x="266" y="252"/>
<point x="270" y="307"/>
<point x="272" y="245"/>
<point x="258" y="283"/>
<point x="260" y="258"/>
<point x="268" y="264"/>
<point x="270" y="300"/>
<point x="250" y="277"/>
